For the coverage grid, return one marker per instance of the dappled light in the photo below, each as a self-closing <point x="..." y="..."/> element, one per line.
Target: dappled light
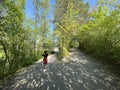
<point x="59" y="44"/>
<point x="77" y="74"/>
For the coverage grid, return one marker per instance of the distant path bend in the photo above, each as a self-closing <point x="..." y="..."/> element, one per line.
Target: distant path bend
<point x="81" y="73"/>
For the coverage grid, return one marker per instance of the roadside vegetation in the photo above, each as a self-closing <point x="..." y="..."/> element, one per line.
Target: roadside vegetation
<point x="95" y="31"/>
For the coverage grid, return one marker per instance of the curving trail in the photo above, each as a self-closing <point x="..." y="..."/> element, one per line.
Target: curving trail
<point x="81" y="73"/>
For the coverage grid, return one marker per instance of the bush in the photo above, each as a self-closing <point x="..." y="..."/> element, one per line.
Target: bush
<point x="63" y="52"/>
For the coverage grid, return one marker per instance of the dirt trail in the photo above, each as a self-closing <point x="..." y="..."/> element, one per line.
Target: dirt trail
<point x="81" y="73"/>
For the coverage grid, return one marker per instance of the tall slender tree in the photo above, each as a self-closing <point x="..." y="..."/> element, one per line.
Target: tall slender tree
<point x="41" y="22"/>
<point x="69" y="14"/>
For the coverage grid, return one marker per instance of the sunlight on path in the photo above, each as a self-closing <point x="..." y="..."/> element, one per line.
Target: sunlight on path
<point x="81" y="73"/>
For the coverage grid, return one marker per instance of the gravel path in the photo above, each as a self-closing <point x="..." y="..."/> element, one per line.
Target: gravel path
<point x="81" y="73"/>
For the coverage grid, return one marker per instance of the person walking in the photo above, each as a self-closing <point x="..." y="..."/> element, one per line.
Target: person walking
<point x="45" y="55"/>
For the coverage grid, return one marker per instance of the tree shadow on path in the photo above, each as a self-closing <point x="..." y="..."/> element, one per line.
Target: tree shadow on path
<point x="78" y="74"/>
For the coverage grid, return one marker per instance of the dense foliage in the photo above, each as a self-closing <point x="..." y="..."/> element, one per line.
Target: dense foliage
<point x="100" y="36"/>
<point x="96" y="31"/>
<point x="21" y="37"/>
<point x="12" y="36"/>
<point x="69" y="15"/>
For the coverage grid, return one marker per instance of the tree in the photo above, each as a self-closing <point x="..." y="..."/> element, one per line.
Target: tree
<point x="40" y="22"/>
<point x="11" y="33"/>
<point x="99" y="36"/>
<point x="68" y="16"/>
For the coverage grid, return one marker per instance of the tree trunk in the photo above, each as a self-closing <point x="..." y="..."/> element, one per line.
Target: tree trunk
<point x="5" y="51"/>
